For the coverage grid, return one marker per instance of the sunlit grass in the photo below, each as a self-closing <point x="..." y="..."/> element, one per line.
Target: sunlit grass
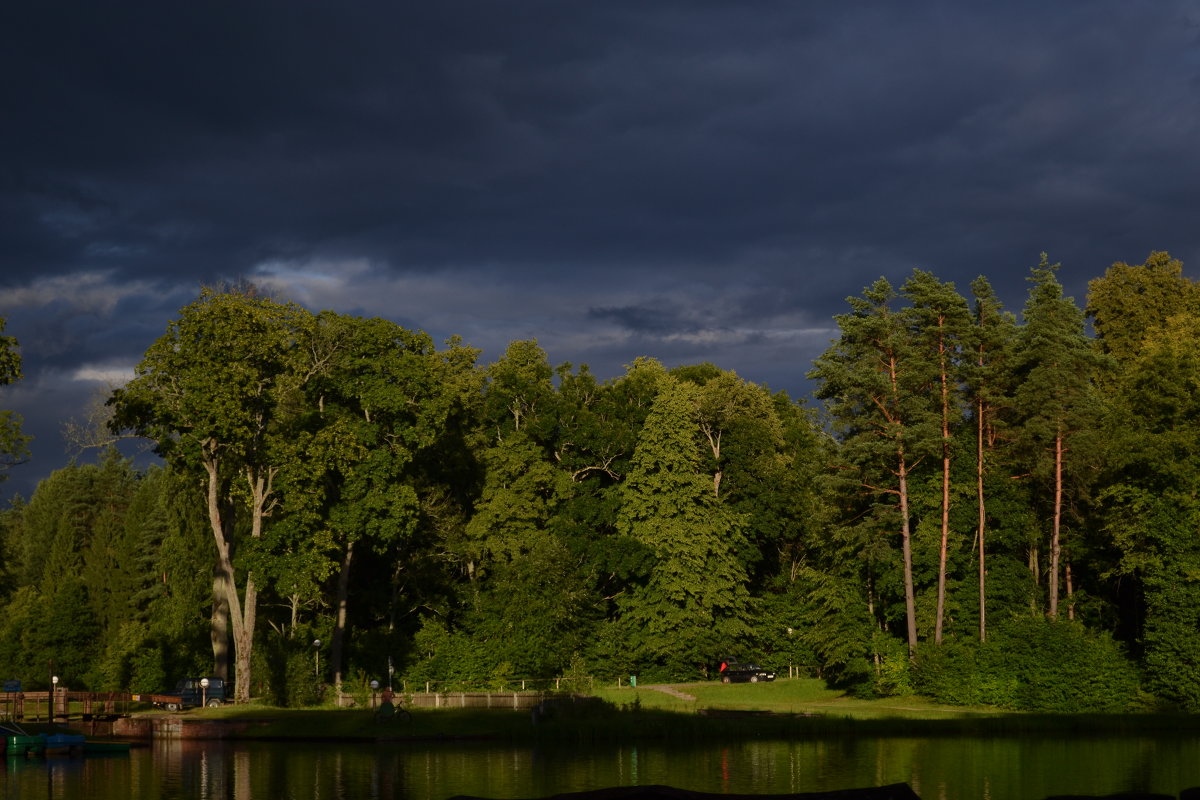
<point x="784" y="709"/>
<point x="785" y="696"/>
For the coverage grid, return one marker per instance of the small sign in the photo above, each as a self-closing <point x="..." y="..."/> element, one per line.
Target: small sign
<point x="12" y="686"/>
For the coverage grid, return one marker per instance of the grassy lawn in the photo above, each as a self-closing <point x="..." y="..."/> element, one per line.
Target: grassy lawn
<point x="786" y="696"/>
<point x="785" y="709"/>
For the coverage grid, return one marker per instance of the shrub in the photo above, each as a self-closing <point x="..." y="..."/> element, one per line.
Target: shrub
<point x="1031" y="664"/>
<point x="893" y="676"/>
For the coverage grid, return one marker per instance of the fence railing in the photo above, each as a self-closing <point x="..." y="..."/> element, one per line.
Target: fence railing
<point x="36" y="706"/>
<point x="511" y="701"/>
<point x="561" y="684"/>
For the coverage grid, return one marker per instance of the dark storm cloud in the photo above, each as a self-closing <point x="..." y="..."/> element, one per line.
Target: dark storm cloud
<point x="689" y="180"/>
<point x="657" y="319"/>
<point x="612" y="133"/>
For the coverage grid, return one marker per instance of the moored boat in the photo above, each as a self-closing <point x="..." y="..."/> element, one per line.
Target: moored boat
<point x="60" y="743"/>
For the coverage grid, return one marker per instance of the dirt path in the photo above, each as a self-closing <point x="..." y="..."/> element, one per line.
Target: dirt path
<point x="671" y="690"/>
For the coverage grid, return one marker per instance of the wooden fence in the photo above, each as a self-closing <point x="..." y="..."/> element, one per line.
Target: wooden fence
<point x="505" y="701"/>
<point x="35" y="706"/>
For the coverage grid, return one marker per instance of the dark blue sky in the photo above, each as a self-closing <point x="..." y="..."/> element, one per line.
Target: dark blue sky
<point x="687" y="180"/>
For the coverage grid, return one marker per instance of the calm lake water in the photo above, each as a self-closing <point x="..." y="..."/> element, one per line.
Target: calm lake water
<point x="937" y="768"/>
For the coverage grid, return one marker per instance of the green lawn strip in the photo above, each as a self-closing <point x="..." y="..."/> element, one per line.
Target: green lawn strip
<point x="796" y="696"/>
<point x="785" y="709"/>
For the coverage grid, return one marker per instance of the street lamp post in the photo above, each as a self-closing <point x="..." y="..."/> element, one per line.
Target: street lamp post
<point x="53" y="695"/>
<point x="374" y="688"/>
<point x="317" y="659"/>
<point x="204" y="692"/>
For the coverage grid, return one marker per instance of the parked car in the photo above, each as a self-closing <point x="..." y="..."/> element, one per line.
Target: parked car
<point x="734" y="672"/>
<point x="190" y="692"/>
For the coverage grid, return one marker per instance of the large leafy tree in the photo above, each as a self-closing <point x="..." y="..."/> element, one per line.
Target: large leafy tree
<point x="1153" y="512"/>
<point x="377" y="396"/>
<point x="522" y="487"/>
<point x="218" y="394"/>
<point x="1146" y="320"/>
<point x="13" y="444"/>
<point x="743" y="446"/>
<point x="694" y="602"/>
<point x="542" y="449"/>
<point x="1132" y="303"/>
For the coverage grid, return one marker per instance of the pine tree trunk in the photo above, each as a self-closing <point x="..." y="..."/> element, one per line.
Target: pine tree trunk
<point x="1054" y="538"/>
<point x="941" y="596"/>
<point x="982" y="520"/>
<point x="1035" y="573"/>
<point x="1070" y="588"/>
<point x="910" y="604"/>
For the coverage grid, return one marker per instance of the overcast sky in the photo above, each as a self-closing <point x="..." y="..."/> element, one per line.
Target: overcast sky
<point x="694" y="181"/>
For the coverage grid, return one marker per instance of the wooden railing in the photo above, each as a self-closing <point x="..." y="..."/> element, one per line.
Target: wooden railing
<point x="36" y="706"/>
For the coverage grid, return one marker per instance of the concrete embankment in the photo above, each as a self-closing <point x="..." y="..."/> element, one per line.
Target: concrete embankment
<point x="164" y="727"/>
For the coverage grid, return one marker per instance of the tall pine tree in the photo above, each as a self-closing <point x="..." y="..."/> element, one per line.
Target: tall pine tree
<point x="1056" y="367"/>
<point x="875" y="381"/>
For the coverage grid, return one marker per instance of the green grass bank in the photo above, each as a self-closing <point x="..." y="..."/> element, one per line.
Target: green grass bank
<point x="786" y="709"/>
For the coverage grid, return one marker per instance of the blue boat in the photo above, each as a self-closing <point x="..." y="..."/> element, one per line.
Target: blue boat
<point x="60" y="743"/>
<point x="16" y="742"/>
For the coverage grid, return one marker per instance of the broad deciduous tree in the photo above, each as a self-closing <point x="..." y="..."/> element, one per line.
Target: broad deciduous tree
<point x="218" y="394"/>
<point x="1130" y="303"/>
<point x="14" y="446"/>
<point x="694" y="602"/>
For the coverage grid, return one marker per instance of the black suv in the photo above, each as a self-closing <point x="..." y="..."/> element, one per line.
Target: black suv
<point x="733" y="672"/>
<point x="190" y="693"/>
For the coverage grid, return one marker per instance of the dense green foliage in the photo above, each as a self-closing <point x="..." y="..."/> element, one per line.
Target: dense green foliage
<point x="1032" y="664"/>
<point x="13" y="444"/>
<point x="986" y="510"/>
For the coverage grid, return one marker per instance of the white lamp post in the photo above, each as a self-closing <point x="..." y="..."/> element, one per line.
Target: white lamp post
<point x="204" y="692"/>
<point x="53" y="695"/>
<point x="317" y="659"/>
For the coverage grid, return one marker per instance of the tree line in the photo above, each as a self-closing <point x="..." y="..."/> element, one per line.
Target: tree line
<point x="981" y="508"/>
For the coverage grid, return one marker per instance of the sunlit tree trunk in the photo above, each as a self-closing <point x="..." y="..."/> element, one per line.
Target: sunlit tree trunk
<point x="1055" y="536"/>
<point x="982" y="508"/>
<point x="337" y="645"/>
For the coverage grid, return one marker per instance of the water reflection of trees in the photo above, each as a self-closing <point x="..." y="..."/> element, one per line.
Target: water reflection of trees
<point x="935" y="767"/>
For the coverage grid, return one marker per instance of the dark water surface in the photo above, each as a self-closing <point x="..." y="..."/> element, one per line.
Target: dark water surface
<point x="937" y="768"/>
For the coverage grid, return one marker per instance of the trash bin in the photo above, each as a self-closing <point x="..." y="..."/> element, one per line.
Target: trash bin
<point x="633" y="681"/>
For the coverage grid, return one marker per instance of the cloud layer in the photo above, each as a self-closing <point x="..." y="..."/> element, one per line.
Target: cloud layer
<point x="689" y="180"/>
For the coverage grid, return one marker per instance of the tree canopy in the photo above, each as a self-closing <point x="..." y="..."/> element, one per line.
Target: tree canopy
<point x="967" y="485"/>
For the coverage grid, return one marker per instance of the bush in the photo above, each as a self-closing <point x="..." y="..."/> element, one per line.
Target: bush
<point x="577" y="679"/>
<point x="283" y="670"/>
<point x="1031" y="664"/>
<point x="893" y="675"/>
